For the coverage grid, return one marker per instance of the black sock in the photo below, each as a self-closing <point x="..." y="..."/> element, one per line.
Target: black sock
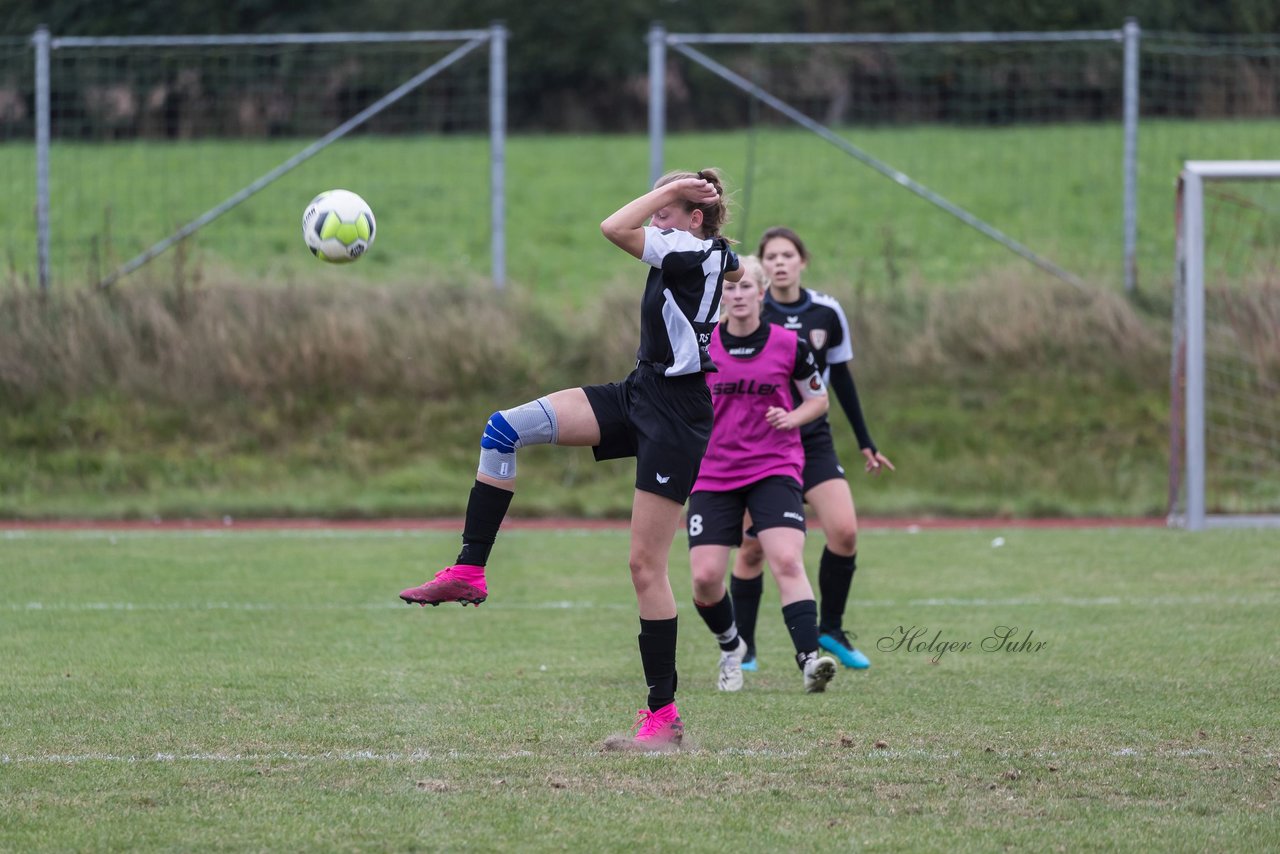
<point x="486" y="508"/>
<point x="658" y="657"/>
<point x="746" y="605"/>
<point x="802" y="622"/>
<point x="835" y="575"/>
<point x="719" y="618"/>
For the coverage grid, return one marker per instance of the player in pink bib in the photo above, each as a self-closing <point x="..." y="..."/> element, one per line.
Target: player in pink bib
<point x="754" y="462"/>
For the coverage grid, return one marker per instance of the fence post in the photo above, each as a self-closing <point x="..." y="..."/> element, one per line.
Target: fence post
<point x="657" y="99"/>
<point x="42" y="45"/>
<point x="1132" y="37"/>
<point x="498" y="152"/>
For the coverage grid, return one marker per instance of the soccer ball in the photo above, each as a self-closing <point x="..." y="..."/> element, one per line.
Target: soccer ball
<point x="338" y="226"/>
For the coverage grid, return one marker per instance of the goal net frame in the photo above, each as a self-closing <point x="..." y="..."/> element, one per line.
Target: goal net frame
<point x="1187" y="447"/>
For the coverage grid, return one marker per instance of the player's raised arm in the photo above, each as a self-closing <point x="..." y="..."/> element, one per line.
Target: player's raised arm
<point x="672" y="205"/>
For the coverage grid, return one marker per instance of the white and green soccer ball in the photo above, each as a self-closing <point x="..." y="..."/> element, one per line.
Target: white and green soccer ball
<point x="338" y="226"/>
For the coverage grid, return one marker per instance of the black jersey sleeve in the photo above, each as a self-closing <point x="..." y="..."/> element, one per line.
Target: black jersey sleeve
<point x="806" y="364"/>
<point x="807" y="376"/>
<point x="731" y="258"/>
<point x="841" y="379"/>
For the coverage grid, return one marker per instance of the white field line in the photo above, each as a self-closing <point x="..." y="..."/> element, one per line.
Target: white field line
<point x="562" y="605"/>
<point x="113" y="536"/>
<point x="330" y="756"/>
<point x="374" y="756"/>
<point x="444" y="756"/>
<point x="1264" y="599"/>
<point x="1082" y="602"/>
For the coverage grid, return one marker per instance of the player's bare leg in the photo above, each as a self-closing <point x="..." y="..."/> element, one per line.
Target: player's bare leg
<point x="784" y="550"/>
<point x="654" y="520"/>
<point x="563" y="418"/>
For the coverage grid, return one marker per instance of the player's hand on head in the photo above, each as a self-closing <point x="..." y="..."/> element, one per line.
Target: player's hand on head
<point x="698" y="190"/>
<point x="876" y="461"/>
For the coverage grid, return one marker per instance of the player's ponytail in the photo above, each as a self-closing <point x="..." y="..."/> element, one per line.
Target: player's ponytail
<point x="715" y="215"/>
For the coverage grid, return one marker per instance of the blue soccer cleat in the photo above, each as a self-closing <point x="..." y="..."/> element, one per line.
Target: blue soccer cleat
<point x="749" y="663"/>
<point x="838" y="644"/>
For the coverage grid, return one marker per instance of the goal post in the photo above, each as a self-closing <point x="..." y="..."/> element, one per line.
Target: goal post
<point x="1224" y="466"/>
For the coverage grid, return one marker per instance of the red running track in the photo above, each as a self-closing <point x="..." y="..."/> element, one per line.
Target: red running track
<point x="229" y="524"/>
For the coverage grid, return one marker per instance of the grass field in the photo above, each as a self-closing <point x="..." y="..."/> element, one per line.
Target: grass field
<point x="267" y="691"/>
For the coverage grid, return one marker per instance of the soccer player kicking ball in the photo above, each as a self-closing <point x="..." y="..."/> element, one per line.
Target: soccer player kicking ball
<point x="754" y="463"/>
<point x="660" y="414"/>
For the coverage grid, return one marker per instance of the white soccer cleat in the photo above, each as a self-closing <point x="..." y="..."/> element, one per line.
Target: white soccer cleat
<point x="818" y="672"/>
<point x="730" y="678"/>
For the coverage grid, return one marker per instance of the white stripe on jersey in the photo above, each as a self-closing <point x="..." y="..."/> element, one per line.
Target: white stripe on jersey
<point x="707" y="311"/>
<point x="844" y="352"/>
<point x="685" y="352"/>
<point x="659" y="243"/>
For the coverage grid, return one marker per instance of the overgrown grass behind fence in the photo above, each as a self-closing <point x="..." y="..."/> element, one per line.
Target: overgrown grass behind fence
<point x="257" y="400"/>
<point x="199" y="346"/>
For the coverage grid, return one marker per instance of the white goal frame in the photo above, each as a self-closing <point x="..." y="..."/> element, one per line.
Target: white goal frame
<point x="1189" y="359"/>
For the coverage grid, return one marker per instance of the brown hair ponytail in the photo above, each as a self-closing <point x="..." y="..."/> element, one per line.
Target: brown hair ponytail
<point x="714" y="215"/>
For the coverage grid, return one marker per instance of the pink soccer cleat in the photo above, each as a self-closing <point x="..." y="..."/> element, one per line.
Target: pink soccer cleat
<point x="461" y="583"/>
<point x="659" y="731"/>
<point x="656" y="730"/>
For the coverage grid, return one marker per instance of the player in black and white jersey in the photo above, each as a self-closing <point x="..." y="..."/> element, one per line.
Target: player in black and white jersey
<point x="661" y="414"/>
<point x="819" y="320"/>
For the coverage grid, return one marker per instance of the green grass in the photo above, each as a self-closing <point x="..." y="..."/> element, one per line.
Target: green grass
<point x="1005" y="448"/>
<point x="257" y="401"/>
<point x="1054" y="188"/>
<point x="265" y="691"/>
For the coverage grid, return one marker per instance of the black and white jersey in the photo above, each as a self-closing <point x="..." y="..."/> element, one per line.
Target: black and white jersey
<point x="681" y="302"/>
<point x="819" y="321"/>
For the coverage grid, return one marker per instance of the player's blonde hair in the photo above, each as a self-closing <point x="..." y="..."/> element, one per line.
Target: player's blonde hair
<point x="753" y="270"/>
<point x="714" y="215"/>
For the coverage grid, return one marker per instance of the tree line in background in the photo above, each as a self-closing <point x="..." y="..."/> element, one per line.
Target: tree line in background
<point x="580" y="65"/>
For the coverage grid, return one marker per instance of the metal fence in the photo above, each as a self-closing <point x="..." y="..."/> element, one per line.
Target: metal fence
<point x="188" y="128"/>
<point x="1093" y="126"/>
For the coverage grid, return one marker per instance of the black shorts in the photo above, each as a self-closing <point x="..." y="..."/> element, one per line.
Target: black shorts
<point x="820" y="461"/>
<point x="715" y="518"/>
<point x="664" y="422"/>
